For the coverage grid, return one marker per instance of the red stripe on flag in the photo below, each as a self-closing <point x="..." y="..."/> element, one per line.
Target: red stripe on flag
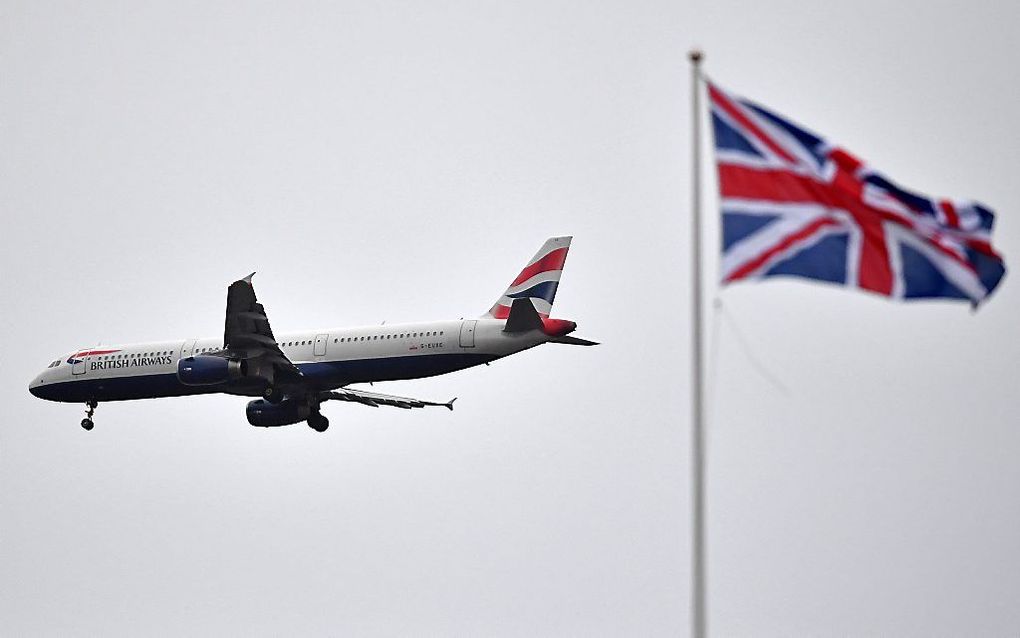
<point x="873" y="272"/>
<point x="773" y="185"/>
<point x="952" y="219"/>
<point x="733" y="111"/>
<point x="553" y="261"/>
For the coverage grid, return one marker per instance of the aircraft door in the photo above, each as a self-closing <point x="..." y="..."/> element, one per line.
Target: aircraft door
<point x="188" y="348"/>
<point x="320" y="345"/>
<point x="467" y="334"/>
<point x="79" y="365"/>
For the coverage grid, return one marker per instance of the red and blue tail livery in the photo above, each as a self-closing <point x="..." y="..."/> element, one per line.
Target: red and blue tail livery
<point x="795" y="204"/>
<point x="538" y="281"/>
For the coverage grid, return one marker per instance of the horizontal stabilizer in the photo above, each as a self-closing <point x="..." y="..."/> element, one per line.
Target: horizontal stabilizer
<point x="573" y="341"/>
<point x="523" y="317"/>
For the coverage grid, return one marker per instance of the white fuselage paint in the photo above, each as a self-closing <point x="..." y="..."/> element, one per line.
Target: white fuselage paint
<point x="332" y="358"/>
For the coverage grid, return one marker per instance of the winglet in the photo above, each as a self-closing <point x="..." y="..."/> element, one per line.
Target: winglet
<point x="247" y="279"/>
<point x="449" y="404"/>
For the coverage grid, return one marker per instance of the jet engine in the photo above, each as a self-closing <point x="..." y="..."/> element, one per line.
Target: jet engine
<point x="264" y="414"/>
<point x="208" y="370"/>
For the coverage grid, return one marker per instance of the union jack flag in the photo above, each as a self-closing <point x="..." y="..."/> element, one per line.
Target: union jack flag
<point x="794" y="204"/>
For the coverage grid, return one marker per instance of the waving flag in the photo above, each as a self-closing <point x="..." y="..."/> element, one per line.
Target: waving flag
<point x="794" y="204"/>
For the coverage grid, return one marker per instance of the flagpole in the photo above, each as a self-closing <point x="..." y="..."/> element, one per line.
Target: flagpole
<point x="698" y="619"/>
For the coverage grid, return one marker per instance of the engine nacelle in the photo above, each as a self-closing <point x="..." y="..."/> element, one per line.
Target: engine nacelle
<point x="207" y="370"/>
<point x="264" y="414"/>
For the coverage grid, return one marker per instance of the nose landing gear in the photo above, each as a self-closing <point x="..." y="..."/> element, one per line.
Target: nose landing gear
<point x="87" y="423"/>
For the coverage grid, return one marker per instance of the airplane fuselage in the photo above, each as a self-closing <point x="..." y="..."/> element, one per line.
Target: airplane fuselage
<point x="328" y="359"/>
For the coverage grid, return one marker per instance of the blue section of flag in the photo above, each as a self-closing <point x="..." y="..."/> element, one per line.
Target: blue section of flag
<point x="925" y="280"/>
<point x="808" y="140"/>
<point x="989" y="270"/>
<point x="726" y="137"/>
<point x="825" y="261"/>
<point x="737" y="226"/>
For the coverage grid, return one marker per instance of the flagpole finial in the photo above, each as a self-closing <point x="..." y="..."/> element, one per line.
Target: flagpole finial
<point x="695" y="55"/>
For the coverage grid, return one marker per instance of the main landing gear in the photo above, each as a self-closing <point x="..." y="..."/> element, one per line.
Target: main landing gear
<point x="87" y="422"/>
<point x="318" y="422"/>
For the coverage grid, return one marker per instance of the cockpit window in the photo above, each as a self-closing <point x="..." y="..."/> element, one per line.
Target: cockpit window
<point x="54" y="364"/>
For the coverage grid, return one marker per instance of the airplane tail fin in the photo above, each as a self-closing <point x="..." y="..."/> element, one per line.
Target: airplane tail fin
<point x="537" y="282"/>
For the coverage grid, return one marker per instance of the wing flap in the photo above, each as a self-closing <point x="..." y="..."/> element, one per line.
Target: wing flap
<point x="376" y="399"/>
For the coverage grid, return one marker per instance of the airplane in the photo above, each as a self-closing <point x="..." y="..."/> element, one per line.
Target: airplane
<point x="294" y="374"/>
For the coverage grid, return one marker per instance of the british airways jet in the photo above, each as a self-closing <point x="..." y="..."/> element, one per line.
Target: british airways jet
<point x="294" y="374"/>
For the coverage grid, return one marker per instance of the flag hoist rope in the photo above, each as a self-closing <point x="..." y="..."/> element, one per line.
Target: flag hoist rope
<point x="698" y="619"/>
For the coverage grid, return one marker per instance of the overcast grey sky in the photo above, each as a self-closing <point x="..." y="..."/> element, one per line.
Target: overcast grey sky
<point x="400" y="161"/>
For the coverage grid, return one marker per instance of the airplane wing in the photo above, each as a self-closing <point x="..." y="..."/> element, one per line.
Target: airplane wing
<point x="247" y="335"/>
<point x="375" y="399"/>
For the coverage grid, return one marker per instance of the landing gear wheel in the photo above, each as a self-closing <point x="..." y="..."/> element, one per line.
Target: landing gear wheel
<point x="87" y="421"/>
<point x="318" y="422"/>
<point x="272" y="395"/>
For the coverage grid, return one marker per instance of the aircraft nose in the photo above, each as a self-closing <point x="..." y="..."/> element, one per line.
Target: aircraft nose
<point x="36" y="387"/>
